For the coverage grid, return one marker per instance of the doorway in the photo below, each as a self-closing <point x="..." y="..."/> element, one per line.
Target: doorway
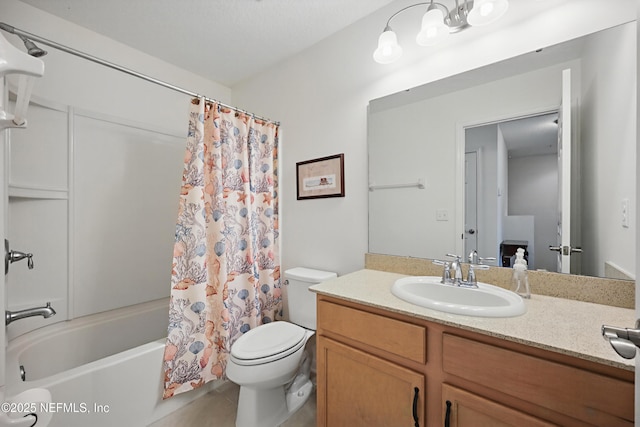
<point x="519" y="187"/>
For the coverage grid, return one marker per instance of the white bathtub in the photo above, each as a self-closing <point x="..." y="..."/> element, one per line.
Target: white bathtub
<point x="102" y="370"/>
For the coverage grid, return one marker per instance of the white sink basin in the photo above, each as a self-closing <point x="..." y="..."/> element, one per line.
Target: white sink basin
<point x="484" y="301"/>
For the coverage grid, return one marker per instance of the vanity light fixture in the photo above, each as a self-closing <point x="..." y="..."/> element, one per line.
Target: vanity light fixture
<point x="438" y="22"/>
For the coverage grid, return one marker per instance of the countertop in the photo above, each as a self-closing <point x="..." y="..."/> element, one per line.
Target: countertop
<point x="562" y="325"/>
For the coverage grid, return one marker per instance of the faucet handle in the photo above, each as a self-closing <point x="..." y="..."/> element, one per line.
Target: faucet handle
<point x="12" y="256"/>
<point x="478" y="260"/>
<point x="17" y="256"/>
<point x="446" y="273"/>
<point x="472" y="280"/>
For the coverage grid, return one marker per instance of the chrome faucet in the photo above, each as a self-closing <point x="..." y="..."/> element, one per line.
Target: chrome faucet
<point x="452" y="273"/>
<point x="46" y="312"/>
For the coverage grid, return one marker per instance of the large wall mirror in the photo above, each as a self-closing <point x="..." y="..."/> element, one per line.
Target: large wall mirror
<point x="472" y="161"/>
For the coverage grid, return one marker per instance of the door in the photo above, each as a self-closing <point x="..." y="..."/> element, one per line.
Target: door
<point x="464" y="409"/>
<point x="637" y="234"/>
<point x="358" y="389"/>
<point x="470" y="234"/>
<point x="563" y="246"/>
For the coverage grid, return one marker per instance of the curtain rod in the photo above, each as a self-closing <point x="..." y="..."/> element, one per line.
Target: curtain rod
<point x="13" y="30"/>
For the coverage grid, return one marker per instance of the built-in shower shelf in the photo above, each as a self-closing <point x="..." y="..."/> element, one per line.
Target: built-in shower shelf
<point x="31" y="192"/>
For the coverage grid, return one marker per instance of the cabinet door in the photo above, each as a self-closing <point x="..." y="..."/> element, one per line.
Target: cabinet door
<point x="358" y="389"/>
<point x="464" y="409"/>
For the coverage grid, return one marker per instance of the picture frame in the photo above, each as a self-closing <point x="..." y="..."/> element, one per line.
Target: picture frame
<point x="320" y="178"/>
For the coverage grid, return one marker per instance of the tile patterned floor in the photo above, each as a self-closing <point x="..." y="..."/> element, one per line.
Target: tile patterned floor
<point x="218" y="409"/>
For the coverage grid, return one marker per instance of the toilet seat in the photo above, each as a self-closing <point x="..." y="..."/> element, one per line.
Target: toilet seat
<point x="267" y="343"/>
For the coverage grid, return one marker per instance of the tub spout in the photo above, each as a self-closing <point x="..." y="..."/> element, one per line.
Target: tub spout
<point x="45" y="312"/>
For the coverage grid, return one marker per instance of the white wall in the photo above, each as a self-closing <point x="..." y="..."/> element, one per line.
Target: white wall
<point x="321" y="97"/>
<point x="533" y="183"/>
<point x="410" y="145"/>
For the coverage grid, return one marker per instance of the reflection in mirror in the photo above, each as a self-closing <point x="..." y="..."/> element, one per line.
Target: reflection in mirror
<point x="429" y="133"/>
<point x="530" y="162"/>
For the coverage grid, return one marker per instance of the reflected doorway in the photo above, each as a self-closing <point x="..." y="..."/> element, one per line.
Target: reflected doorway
<point x="516" y="198"/>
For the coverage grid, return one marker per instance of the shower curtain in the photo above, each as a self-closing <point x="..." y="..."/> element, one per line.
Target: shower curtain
<point x="226" y="269"/>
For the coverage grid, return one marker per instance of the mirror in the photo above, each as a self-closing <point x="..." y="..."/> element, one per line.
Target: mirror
<point x="418" y="140"/>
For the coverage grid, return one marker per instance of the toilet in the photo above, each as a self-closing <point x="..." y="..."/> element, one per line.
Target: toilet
<point x="270" y="363"/>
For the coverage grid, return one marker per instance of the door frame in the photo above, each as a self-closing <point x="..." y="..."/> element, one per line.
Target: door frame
<point x="478" y="184"/>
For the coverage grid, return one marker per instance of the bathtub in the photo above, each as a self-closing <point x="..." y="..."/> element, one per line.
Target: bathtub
<point x="102" y="370"/>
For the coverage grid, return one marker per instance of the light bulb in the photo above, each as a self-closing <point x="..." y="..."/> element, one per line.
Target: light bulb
<point x="388" y="48"/>
<point x="485" y="12"/>
<point x="433" y="29"/>
<point x="486" y="9"/>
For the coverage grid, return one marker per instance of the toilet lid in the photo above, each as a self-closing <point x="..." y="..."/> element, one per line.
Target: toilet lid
<point x="268" y="342"/>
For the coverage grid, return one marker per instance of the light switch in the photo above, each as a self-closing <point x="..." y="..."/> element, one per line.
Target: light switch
<point x="442" y="215"/>
<point x="625" y="213"/>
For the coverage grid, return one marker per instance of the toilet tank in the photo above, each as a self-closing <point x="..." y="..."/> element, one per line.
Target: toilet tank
<point x="301" y="302"/>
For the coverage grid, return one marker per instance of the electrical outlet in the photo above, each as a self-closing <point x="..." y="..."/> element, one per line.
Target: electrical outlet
<point x="442" y="215"/>
<point x="625" y="213"/>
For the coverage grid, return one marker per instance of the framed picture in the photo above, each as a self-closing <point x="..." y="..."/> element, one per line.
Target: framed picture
<point x="323" y="177"/>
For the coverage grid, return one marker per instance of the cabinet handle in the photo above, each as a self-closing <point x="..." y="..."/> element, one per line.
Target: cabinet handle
<point x="416" y="391"/>
<point x="447" y="416"/>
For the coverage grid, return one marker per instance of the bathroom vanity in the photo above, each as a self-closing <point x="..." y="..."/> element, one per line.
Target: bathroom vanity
<point x="384" y="362"/>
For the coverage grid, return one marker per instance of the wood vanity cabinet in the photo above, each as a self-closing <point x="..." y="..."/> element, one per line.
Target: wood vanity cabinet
<point x="380" y="368"/>
<point x="357" y="387"/>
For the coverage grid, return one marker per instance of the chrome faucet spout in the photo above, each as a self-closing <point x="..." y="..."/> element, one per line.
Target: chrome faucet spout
<point x="474" y="258"/>
<point x="456" y="268"/>
<point x="46" y="312"/>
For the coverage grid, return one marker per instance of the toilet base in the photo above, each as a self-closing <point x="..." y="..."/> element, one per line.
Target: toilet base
<point x="295" y="400"/>
<point x="272" y="407"/>
<point x="265" y="403"/>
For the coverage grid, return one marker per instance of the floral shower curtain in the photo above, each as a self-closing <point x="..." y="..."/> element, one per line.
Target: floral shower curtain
<point x="226" y="268"/>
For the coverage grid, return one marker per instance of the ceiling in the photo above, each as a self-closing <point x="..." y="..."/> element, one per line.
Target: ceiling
<point x="226" y="41"/>
<point x="531" y="136"/>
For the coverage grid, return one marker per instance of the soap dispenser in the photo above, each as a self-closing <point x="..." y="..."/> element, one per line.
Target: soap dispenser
<point x="520" y="257"/>
<point x="520" y="278"/>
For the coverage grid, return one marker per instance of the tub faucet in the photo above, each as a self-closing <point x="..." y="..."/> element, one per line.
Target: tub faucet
<point x="46" y="312"/>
